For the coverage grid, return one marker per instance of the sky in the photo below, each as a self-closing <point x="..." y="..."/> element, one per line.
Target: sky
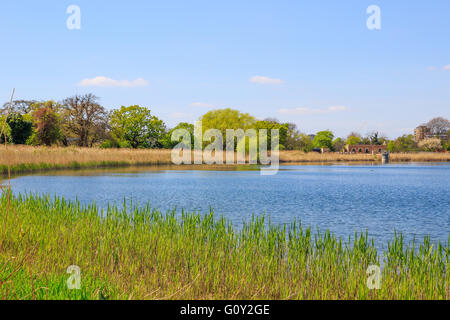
<point x="313" y="63"/>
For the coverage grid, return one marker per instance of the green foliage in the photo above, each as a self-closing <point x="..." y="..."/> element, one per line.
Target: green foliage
<point x="338" y="144"/>
<point x="404" y="143"/>
<point x="223" y="119"/>
<point x="273" y="125"/>
<point x="167" y="142"/>
<point x="352" y="140"/>
<point x="136" y="126"/>
<point x="20" y="128"/>
<point x="323" y="139"/>
<point x="143" y="253"/>
<point x="47" y="126"/>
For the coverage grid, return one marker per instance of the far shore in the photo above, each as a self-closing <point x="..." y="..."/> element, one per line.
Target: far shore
<point x="23" y="159"/>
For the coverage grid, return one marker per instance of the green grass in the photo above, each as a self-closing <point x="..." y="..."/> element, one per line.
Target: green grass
<point x="146" y="254"/>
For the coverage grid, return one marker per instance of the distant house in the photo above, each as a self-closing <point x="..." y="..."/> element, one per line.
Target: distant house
<point x="366" y="148"/>
<point x="421" y="133"/>
<point x="424" y="132"/>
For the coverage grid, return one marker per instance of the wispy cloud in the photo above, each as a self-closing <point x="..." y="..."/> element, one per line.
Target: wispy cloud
<point x="447" y="67"/>
<point x="108" y="82"/>
<point x="201" y="105"/>
<point x="309" y="111"/>
<point x="265" y="80"/>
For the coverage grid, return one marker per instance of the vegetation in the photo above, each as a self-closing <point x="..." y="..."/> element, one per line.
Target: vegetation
<point x="133" y="253"/>
<point x="81" y="120"/>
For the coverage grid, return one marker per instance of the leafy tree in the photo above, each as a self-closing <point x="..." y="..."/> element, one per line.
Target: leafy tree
<point x="47" y="126"/>
<point x="223" y="119"/>
<point x="305" y="143"/>
<point x="338" y="144"/>
<point x="270" y="125"/>
<point x="431" y="144"/>
<point x="352" y="140"/>
<point x="293" y="137"/>
<point x="137" y="126"/>
<point x="404" y="143"/>
<point x="20" y="128"/>
<point x="84" y="118"/>
<point x="323" y="139"/>
<point x="167" y="140"/>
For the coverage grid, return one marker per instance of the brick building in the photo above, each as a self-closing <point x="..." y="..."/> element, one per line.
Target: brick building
<point x="366" y="148"/>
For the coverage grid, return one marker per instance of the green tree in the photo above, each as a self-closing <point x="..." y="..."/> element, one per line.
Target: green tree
<point x="167" y="142"/>
<point x="20" y="128"/>
<point x="223" y="119"/>
<point x="270" y="125"/>
<point x="352" y="140"/>
<point x="137" y="126"/>
<point x="323" y="139"/>
<point x="305" y="143"/>
<point x="338" y="144"/>
<point x="47" y="126"/>
<point x="404" y="143"/>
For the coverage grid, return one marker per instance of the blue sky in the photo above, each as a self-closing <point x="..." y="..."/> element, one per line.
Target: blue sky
<point x="314" y="63"/>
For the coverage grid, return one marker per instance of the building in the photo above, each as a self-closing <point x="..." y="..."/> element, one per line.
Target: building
<point x="366" y="148"/>
<point x="421" y="133"/>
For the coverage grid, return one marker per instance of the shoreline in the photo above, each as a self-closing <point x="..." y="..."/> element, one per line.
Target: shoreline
<point x="26" y="159"/>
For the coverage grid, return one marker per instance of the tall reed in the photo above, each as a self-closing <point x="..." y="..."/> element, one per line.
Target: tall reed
<point x="142" y="253"/>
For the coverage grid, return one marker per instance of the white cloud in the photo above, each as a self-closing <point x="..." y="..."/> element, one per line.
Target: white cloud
<point x="201" y="105"/>
<point x="447" y="67"/>
<point x="108" y="82"/>
<point x="309" y="111"/>
<point x="265" y="80"/>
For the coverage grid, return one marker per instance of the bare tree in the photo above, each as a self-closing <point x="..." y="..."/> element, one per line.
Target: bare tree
<point x="438" y="126"/>
<point x="354" y="134"/>
<point x="18" y="106"/>
<point x="85" y="118"/>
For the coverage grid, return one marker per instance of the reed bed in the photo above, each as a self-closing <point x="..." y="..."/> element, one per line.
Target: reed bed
<point x="142" y="253"/>
<point x="24" y="159"/>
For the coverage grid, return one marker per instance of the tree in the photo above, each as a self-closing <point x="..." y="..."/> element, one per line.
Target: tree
<point x="223" y="119"/>
<point x="404" y="143"/>
<point x="352" y="140"/>
<point x="20" y="129"/>
<point x="83" y="118"/>
<point x="338" y="145"/>
<point x="137" y="126"/>
<point x="167" y="140"/>
<point x="47" y="126"/>
<point x="323" y="139"/>
<point x="293" y="137"/>
<point x="431" y="144"/>
<point x="305" y="143"/>
<point x="270" y="125"/>
<point x="438" y="126"/>
<point x="18" y="106"/>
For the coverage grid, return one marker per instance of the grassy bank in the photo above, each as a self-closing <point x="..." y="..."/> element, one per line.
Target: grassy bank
<point x="23" y="159"/>
<point x="146" y="254"/>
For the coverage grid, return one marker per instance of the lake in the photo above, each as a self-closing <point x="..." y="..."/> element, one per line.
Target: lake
<point x="413" y="198"/>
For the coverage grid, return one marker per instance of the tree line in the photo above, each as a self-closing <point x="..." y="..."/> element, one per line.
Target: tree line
<point x="81" y="120"/>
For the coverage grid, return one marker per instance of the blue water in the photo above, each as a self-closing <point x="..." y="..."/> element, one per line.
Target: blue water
<point x="411" y="198"/>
